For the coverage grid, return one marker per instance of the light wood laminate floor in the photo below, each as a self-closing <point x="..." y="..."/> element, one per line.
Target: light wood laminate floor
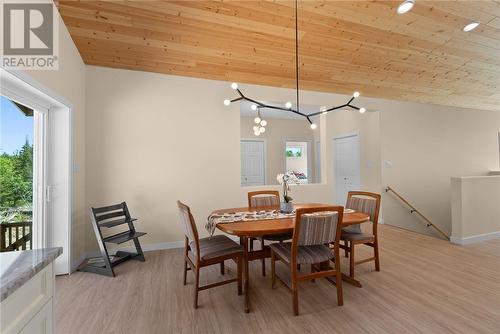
<point x="426" y="286"/>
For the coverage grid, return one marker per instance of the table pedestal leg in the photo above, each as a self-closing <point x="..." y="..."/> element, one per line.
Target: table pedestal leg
<point x="244" y="243"/>
<point x="351" y="280"/>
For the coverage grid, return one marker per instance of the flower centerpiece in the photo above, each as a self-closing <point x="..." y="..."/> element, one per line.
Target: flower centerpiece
<point x="286" y="180"/>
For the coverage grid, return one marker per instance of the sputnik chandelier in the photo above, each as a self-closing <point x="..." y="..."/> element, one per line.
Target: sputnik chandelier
<point x="257" y="105"/>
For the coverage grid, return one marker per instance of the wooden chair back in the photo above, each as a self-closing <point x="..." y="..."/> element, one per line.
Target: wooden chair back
<point x="263" y="198"/>
<point x="190" y="230"/>
<point x="316" y="226"/>
<point x="365" y="202"/>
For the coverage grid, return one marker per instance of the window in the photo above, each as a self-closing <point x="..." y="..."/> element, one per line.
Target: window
<point x="297" y="159"/>
<point x="293" y="152"/>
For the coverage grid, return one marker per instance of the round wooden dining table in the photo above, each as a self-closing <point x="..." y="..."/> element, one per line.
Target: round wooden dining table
<point x="259" y="228"/>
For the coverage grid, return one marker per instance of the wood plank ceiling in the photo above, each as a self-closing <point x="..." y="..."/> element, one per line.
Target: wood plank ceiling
<point x="421" y="56"/>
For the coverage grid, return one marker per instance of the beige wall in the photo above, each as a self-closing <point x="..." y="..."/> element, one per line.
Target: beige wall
<point x="277" y="132"/>
<point x="149" y="142"/>
<point x="427" y="145"/>
<point x="69" y="82"/>
<point x="475" y="208"/>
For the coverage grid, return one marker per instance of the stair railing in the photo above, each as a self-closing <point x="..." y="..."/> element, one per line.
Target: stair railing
<point x="414" y="210"/>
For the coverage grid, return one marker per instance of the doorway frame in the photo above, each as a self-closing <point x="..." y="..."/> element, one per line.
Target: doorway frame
<point x="22" y="88"/>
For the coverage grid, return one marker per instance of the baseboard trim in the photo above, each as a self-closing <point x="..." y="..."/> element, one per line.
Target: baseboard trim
<point x="75" y="265"/>
<point x="145" y="248"/>
<point x="475" y="238"/>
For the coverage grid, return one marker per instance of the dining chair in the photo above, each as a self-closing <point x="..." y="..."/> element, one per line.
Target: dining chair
<point x="368" y="203"/>
<point x="266" y="198"/>
<point x="315" y="228"/>
<point x="206" y="252"/>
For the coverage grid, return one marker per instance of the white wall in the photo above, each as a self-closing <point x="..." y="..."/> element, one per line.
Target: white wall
<point x="69" y="83"/>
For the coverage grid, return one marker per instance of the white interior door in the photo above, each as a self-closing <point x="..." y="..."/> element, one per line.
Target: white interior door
<point x="252" y="163"/>
<point x="347" y="166"/>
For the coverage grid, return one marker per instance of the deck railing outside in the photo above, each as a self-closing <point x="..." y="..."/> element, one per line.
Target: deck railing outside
<point x="16" y="234"/>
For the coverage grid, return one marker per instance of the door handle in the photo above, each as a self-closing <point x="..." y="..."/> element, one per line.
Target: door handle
<point x="48" y="193"/>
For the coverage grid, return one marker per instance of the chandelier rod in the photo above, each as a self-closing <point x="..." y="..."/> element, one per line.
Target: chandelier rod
<point x="261" y="105"/>
<point x="297" y="53"/>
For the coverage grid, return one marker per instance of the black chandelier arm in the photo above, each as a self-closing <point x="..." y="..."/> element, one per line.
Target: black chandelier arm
<point x="285" y="109"/>
<point x="236" y="99"/>
<point x="338" y="107"/>
<point x="261" y="105"/>
<point x="327" y="110"/>
<point x="239" y="92"/>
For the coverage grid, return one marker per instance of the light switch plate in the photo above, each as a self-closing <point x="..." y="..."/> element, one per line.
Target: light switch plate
<point x="388" y="164"/>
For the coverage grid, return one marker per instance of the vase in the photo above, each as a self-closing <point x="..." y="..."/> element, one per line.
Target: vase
<point x="286" y="207"/>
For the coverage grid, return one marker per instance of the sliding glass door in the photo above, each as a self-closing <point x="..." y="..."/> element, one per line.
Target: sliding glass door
<point x="22" y="176"/>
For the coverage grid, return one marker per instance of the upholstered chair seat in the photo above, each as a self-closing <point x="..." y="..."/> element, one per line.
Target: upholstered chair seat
<point x="217" y="246"/>
<point x="357" y="236"/>
<point x="305" y="254"/>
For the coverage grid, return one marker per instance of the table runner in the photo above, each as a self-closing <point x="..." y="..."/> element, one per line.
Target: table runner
<point x="236" y="217"/>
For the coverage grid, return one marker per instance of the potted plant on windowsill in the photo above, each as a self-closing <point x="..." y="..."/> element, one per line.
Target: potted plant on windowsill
<point x="286" y="180"/>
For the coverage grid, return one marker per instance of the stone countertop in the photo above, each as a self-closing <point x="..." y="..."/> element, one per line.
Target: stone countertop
<point x="17" y="267"/>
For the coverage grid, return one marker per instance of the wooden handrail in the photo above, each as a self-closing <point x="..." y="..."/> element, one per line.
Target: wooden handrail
<point x="414" y="210"/>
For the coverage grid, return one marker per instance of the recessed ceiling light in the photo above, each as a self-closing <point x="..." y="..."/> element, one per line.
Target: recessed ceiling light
<point x="471" y="26"/>
<point x="406" y="6"/>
